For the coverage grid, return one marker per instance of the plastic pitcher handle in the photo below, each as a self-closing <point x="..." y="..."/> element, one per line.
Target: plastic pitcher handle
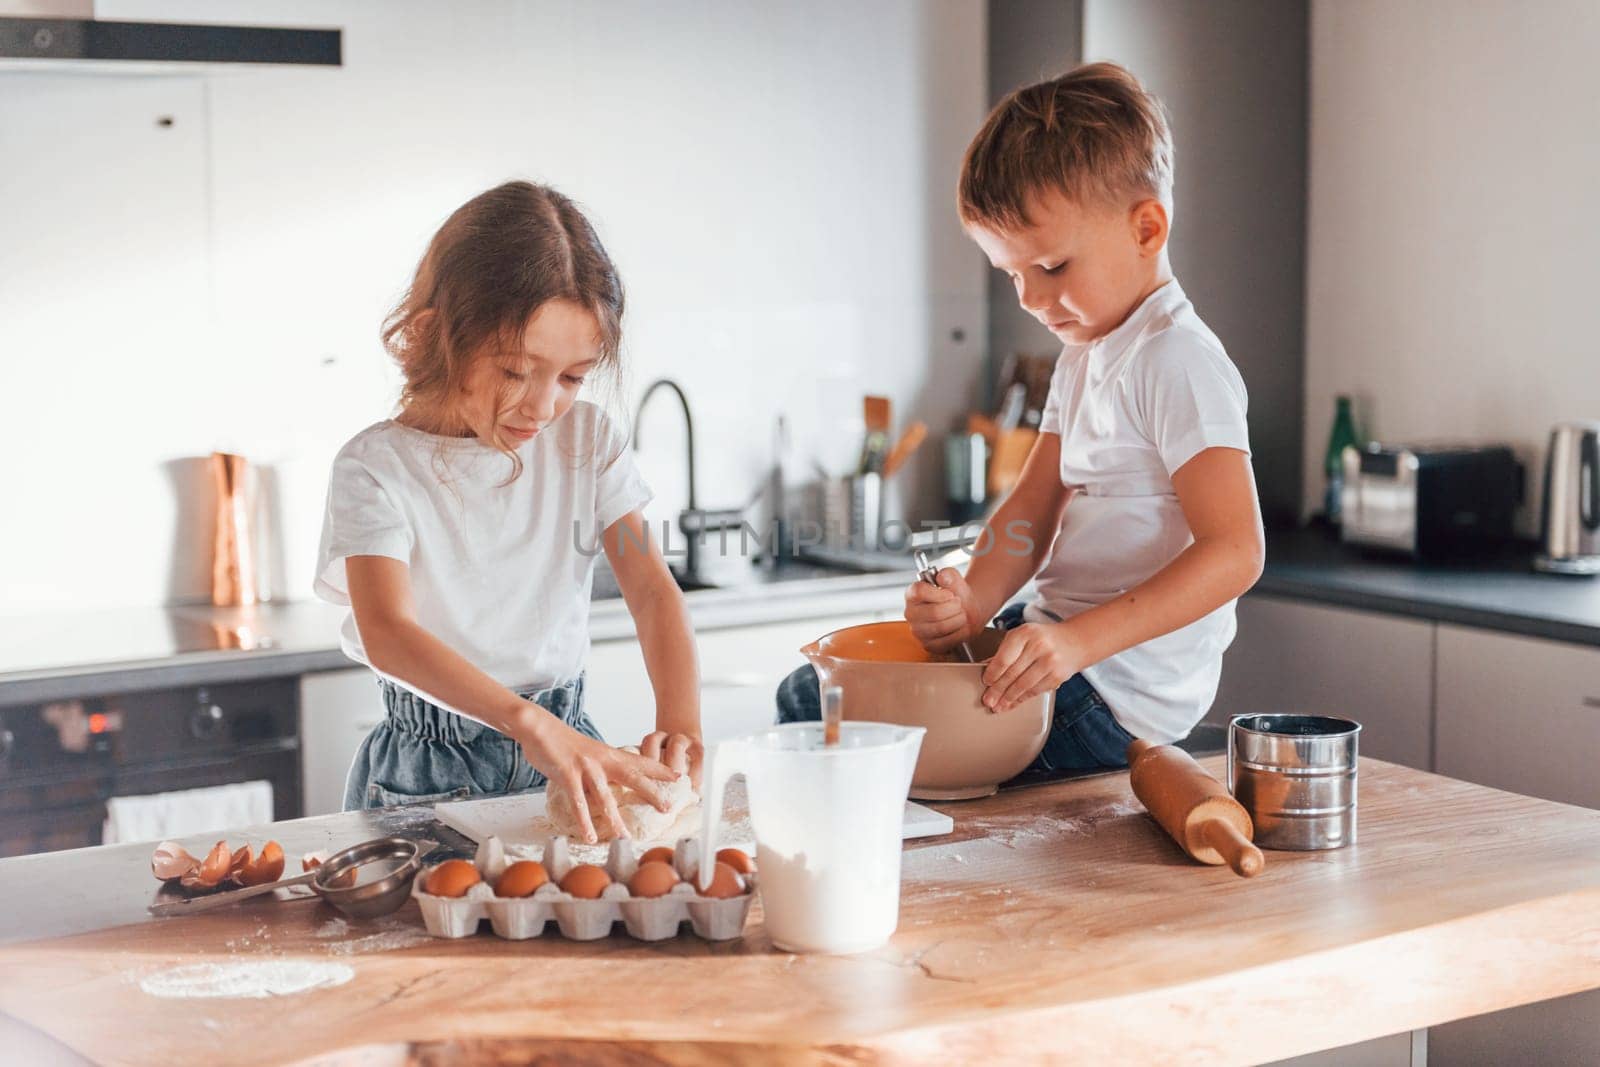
<point x="726" y="759"/>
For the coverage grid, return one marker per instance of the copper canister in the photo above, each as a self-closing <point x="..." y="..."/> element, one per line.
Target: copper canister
<point x="235" y="572"/>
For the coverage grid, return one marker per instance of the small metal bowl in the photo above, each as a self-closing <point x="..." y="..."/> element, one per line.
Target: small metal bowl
<point x="368" y="900"/>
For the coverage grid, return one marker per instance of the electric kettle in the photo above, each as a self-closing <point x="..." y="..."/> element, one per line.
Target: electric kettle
<point x="1570" y="526"/>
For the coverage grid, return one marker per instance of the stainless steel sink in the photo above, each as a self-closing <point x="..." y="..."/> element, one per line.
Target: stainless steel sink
<point x="606" y="588"/>
<point x="691" y="583"/>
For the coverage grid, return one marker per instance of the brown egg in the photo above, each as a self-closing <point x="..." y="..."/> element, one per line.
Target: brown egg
<point x="725" y="882"/>
<point x="737" y="858"/>
<point x="659" y="854"/>
<point x="452" y="878"/>
<point x="653" y="879"/>
<point x="586" y="881"/>
<point x="521" y="879"/>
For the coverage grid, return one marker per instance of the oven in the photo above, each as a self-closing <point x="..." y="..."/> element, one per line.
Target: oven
<point x="62" y="761"/>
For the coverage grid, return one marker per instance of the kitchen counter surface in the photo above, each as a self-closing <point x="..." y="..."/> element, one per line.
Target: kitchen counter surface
<point x="1056" y="921"/>
<point x="1504" y="593"/>
<point x="76" y="655"/>
<point x="67" y="656"/>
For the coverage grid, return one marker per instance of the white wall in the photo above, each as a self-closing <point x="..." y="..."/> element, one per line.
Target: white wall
<point x="774" y="182"/>
<point x="1455" y="154"/>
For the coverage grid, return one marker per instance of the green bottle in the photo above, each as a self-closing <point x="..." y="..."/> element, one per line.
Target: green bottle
<point x="1344" y="434"/>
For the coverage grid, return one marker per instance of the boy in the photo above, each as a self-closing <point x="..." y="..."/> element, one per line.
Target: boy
<point x="1138" y="495"/>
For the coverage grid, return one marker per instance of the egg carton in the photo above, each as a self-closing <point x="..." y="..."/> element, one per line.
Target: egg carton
<point x="645" y="918"/>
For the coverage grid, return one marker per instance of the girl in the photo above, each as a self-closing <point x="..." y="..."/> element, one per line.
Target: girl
<point x="461" y="533"/>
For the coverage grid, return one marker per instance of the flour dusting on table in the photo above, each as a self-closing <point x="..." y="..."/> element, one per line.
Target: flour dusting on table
<point x="269" y="977"/>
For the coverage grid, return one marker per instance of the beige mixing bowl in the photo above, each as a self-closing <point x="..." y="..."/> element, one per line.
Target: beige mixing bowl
<point x="887" y="676"/>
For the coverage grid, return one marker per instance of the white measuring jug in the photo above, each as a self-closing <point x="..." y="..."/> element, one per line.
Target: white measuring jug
<point x="827" y="824"/>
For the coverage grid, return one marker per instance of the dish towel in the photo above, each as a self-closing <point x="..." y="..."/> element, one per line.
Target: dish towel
<point x="163" y="816"/>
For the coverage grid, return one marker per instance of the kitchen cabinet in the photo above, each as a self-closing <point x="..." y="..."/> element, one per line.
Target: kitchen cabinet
<point x="115" y="767"/>
<point x="1519" y="713"/>
<point x="337" y="711"/>
<point x="1291" y="656"/>
<point x="1396" y="1050"/>
<point x="1511" y="712"/>
<point x="740" y="668"/>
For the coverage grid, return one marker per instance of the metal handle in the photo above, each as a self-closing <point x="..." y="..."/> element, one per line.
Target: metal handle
<point x="8" y="744"/>
<point x="206" y="721"/>
<point x="1589" y="482"/>
<point x="930" y="574"/>
<point x="191" y="905"/>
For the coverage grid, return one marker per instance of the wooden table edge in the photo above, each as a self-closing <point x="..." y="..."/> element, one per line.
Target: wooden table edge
<point x="1240" y="1017"/>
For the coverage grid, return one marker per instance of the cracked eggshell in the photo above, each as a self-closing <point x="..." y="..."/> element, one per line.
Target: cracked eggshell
<point x="267" y="867"/>
<point x="211" y="871"/>
<point x="171" y="861"/>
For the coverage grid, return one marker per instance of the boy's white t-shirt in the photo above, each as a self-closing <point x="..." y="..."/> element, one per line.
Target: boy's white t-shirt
<point x="1131" y="408"/>
<point x="499" y="572"/>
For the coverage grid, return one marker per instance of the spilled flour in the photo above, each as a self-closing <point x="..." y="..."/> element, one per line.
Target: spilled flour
<point x="1013" y="831"/>
<point x="370" y="935"/>
<point x="266" y="978"/>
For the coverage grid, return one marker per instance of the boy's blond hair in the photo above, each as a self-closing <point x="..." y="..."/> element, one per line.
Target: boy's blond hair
<point x="1094" y="134"/>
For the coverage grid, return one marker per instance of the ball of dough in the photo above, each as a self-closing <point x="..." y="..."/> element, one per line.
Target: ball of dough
<point x="640" y="819"/>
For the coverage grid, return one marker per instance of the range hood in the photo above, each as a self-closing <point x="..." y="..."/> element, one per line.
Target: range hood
<point x="66" y="35"/>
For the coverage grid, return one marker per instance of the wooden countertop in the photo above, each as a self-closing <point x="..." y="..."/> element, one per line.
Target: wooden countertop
<point x="1057" y="921"/>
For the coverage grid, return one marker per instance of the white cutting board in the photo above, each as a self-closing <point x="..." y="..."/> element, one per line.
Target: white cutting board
<point x="521" y="824"/>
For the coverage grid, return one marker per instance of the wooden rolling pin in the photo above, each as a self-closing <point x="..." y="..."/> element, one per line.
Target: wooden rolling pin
<point x="1193" y="807"/>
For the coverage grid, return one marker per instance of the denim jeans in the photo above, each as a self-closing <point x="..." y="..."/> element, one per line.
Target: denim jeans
<point x="1084" y="735"/>
<point x="421" y="753"/>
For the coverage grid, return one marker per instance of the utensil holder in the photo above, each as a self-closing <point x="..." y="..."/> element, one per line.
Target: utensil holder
<point x="852" y="512"/>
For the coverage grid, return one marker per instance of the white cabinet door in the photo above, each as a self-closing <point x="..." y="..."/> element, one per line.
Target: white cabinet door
<point x="337" y="711"/>
<point x="740" y="668"/>
<point x="1519" y="713"/>
<point x="617" y="693"/>
<point x="1291" y="656"/>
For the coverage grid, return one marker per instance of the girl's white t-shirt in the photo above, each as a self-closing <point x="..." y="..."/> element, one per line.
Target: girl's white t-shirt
<point x="499" y="572"/>
<point x="1131" y="408"/>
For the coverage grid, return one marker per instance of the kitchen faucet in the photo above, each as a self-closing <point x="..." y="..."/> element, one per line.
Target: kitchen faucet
<point x="688" y="518"/>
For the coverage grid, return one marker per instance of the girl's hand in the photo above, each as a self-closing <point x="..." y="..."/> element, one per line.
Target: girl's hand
<point x="1034" y="658"/>
<point x="945" y="615"/>
<point x="587" y="769"/>
<point x="682" y="753"/>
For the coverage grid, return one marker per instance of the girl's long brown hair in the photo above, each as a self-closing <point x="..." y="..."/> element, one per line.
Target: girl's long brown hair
<point x="496" y="261"/>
